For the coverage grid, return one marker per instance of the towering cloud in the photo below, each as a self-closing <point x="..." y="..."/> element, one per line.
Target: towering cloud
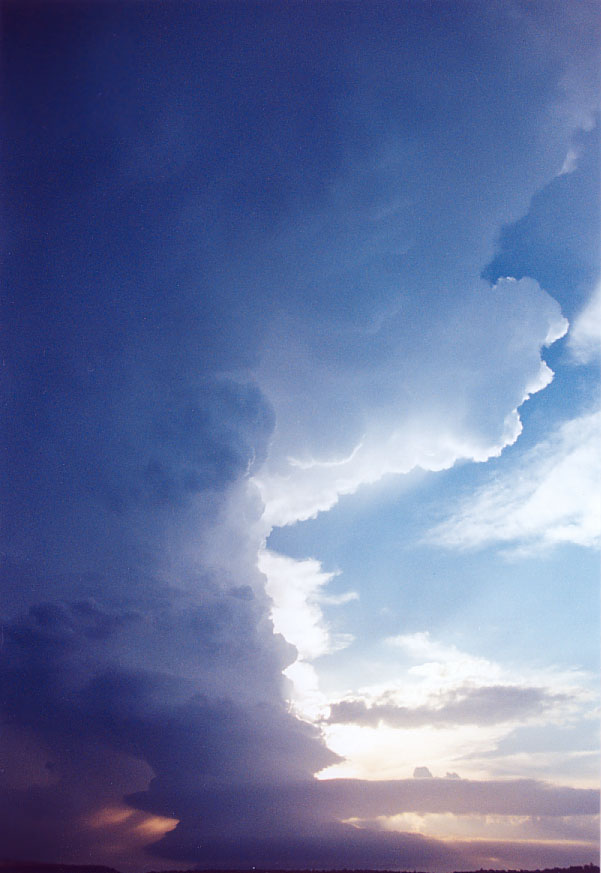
<point x="223" y="314"/>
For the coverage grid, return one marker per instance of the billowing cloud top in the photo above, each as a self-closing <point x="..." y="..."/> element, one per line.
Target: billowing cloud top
<point x="413" y="408"/>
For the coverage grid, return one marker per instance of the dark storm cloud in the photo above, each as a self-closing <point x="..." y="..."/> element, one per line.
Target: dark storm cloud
<point x="264" y="822"/>
<point x="93" y="685"/>
<point x="51" y="793"/>
<point x="129" y="407"/>
<point x="136" y="623"/>
<point x="332" y="845"/>
<point x="484" y="705"/>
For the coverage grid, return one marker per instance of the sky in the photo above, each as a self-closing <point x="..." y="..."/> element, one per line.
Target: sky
<point x="301" y="417"/>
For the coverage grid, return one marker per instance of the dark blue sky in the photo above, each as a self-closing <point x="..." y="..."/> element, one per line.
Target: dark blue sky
<point x="255" y="261"/>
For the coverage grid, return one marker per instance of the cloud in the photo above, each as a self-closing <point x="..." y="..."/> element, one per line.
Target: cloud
<point x="578" y="828"/>
<point x="483" y="705"/>
<point x="467" y="711"/>
<point x="200" y="310"/>
<point x="279" y="824"/>
<point x="462" y="404"/>
<point x="89" y="684"/>
<point x="296" y="590"/>
<point x="570" y="161"/>
<point x="527" y="855"/>
<point x="557" y="240"/>
<point x="510" y="797"/>
<point x="551" y="496"/>
<point x="446" y="666"/>
<point x="584" y="338"/>
<point x="330" y="845"/>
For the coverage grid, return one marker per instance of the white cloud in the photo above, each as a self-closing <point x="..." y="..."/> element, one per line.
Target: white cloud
<point x="441" y="670"/>
<point x="552" y="496"/>
<point x="297" y="591"/>
<point x="571" y="161"/>
<point x="448" y="825"/>
<point x="442" y="667"/>
<point x="452" y="709"/>
<point x="584" y="339"/>
<point x="441" y="386"/>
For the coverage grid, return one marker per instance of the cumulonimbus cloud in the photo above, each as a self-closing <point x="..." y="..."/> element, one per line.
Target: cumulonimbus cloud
<point x="194" y="305"/>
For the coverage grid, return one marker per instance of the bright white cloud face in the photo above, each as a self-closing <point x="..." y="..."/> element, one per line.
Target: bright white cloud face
<point x="447" y="387"/>
<point x="297" y="591"/>
<point x="296" y="588"/>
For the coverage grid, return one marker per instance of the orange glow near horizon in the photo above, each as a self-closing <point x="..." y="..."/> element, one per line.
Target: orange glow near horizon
<point x="156" y="825"/>
<point x="134" y="826"/>
<point x="110" y="815"/>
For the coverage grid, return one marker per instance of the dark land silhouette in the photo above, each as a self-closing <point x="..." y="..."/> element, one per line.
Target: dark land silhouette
<point x="40" y="867"/>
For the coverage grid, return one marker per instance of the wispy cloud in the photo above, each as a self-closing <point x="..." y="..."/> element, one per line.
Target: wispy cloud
<point x="551" y="496"/>
<point x="584" y="338"/>
<point x="570" y="161"/>
<point x="455" y="708"/>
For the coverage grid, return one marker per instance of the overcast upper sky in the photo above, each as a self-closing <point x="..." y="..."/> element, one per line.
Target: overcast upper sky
<point x="300" y="429"/>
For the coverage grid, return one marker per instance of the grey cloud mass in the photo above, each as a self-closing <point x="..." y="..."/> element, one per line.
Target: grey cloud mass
<point x="308" y="814"/>
<point x="480" y="705"/>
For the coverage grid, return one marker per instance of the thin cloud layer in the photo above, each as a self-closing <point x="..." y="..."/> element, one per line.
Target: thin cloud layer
<point x="553" y="496"/>
<point x="460" y="712"/>
<point x="584" y="340"/>
<point x="280" y="824"/>
<point x="484" y="705"/>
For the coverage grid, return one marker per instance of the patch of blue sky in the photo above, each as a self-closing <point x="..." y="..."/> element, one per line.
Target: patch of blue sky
<point x="536" y="607"/>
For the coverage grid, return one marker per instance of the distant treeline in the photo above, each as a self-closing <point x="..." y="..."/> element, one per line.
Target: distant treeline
<point x="40" y="867"/>
<point x="587" y="868"/>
